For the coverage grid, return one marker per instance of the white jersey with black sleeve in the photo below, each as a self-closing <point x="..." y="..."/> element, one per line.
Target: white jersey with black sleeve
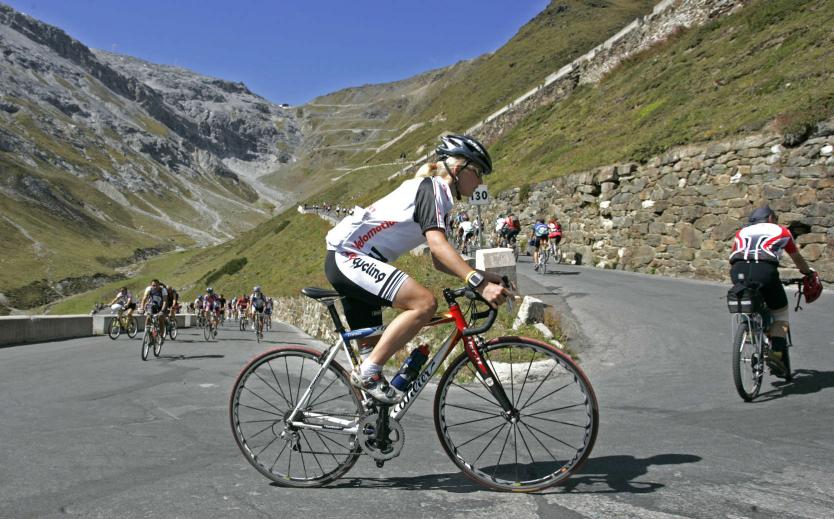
<point x="397" y="223"/>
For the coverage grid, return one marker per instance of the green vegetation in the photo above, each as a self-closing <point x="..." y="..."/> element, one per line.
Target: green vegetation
<point x="230" y="268"/>
<point x="761" y="66"/>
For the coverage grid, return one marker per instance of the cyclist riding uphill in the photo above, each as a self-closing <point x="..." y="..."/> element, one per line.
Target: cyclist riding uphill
<point x="154" y="301"/>
<point x="540" y="232"/>
<point x="361" y="247"/>
<point x="754" y="259"/>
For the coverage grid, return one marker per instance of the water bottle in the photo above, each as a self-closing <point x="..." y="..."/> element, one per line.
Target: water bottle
<point x="411" y="368"/>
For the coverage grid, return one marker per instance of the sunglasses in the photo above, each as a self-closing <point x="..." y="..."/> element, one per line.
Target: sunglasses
<point x="475" y="169"/>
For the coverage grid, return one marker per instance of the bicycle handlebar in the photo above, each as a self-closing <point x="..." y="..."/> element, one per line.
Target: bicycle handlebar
<point x="490" y="314"/>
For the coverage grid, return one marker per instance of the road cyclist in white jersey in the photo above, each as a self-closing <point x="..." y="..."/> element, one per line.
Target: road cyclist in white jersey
<point x="361" y="247"/>
<point x="155" y="301"/>
<point x="124" y="301"/>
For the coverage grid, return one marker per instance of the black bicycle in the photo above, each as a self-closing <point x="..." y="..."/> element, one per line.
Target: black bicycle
<point x="752" y="348"/>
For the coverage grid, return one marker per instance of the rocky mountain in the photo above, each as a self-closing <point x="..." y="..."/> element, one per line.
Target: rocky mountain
<point x="103" y="157"/>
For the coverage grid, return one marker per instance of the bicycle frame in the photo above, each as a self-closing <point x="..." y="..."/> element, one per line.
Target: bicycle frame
<point x="398" y="411"/>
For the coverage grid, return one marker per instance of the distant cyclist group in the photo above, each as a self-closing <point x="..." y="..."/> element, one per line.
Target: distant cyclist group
<point x="160" y="304"/>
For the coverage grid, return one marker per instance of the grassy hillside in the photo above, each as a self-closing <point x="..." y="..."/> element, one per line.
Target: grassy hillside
<point x="347" y="126"/>
<point x="764" y="65"/>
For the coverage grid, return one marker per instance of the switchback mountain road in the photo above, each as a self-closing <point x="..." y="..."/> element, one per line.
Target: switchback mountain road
<point x="89" y="430"/>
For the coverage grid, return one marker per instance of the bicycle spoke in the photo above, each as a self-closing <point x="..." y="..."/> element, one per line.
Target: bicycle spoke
<point x="528" y="404"/>
<point x="300" y="378"/>
<point x="557" y="421"/>
<point x="267" y="402"/>
<point x="490" y="441"/>
<point x="540" y="442"/>
<point x="482" y="434"/>
<point x="571" y="406"/>
<point x="272" y="467"/>
<point x="540" y="385"/>
<point x="471" y="409"/>
<point x="267" y="384"/>
<point x="281" y="389"/>
<point x="289" y="385"/>
<point x="315" y="457"/>
<point x="321" y="439"/>
<point x="501" y="454"/>
<point x="267" y="445"/>
<point x="527" y="374"/>
<point x="474" y="421"/>
<point x="550" y="436"/>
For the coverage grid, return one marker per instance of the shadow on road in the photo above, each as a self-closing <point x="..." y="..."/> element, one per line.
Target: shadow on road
<point x="453" y="482"/>
<point x="616" y="474"/>
<point x="604" y="475"/>
<point x="804" y="382"/>
<point x="172" y="358"/>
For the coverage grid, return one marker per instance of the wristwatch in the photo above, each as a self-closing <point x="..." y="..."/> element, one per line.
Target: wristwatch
<point x="474" y="279"/>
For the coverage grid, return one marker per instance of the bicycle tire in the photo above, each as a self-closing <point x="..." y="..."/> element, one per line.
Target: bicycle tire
<point x="786" y="359"/>
<point x="263" y="396"/>
<point x="114" y="329"/>
<point x="207" y="332"/>
<point x="132" y="327"/>
<point x="160" y="339"/>
<point x="573" y="400"/>
<point x="173" y="330"/>
<point x="146" y="344"/>
<point x="752" y="358"/>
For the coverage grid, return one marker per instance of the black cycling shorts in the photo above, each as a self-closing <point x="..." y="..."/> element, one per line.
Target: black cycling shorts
<point x="130" y="306"/>
<point x="366" y="284"/>
<point x="767" y="275"/>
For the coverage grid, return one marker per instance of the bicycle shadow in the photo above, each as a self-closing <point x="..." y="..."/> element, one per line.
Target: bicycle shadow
<point x="615" y="474"/>
<point x="174" y="358"/>
<point x="804" y="382"/>
<point x="618" y="473"/>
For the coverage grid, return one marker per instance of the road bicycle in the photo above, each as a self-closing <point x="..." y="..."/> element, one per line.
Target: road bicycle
<point x="510" y="243"/>
<point x="153" y="337"/>
<point x="513" y="413"/>
<point x="209" y="328"/>
<point x="258" y="325"/>
<point x="751" y="342"/>
<point x="551" y="251"/>
<point x="120" y="323"/>
<point x="243" y="322"/>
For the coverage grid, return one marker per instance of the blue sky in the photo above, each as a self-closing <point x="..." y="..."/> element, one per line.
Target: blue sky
<point x="292" y="51"/>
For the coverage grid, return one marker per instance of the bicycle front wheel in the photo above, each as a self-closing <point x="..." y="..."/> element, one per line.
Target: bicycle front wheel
<point x="207" y="332"/>
<point x="547" y="437"/>
<point x="146" y="344"/>
<point x="157" y="344"/>
<point x="748" y="362"/>
<point x="114" y="329"/>
<point x="264" y="395"/>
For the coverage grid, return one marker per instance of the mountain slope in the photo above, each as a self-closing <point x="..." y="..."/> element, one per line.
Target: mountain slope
<point x="103" y="156"/>
<point x="371" y="126"/>
<point x="758" y="68"/>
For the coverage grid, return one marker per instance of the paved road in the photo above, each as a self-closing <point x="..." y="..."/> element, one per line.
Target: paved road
<point x="90" y="430"/>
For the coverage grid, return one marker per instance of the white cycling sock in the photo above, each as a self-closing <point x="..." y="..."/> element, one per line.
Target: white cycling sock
<point x="368" y="368"/>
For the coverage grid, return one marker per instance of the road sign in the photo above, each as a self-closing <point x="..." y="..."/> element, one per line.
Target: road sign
<point x="480" y="196"/>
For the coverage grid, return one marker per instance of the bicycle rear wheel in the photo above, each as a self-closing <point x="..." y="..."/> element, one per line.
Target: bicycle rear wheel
<point x="172" y="329"/>
<point x="748" y="363"/>
<point x="547" y="438"/>
<point x="264" y="395"/>
<point x="132" y="327"/>
<point x="114" y="329"/>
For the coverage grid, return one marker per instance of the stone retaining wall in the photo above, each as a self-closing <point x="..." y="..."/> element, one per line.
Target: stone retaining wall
<point x="676" y="215"/>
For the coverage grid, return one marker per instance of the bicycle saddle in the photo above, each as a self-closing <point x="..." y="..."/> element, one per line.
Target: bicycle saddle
<point x="319" y="293"/>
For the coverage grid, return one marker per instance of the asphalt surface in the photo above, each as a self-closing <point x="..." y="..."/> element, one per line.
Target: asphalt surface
<point x="89" y="430"/>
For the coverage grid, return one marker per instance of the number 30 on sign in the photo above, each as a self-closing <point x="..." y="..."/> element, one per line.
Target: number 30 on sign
<point x="480" y="196"/>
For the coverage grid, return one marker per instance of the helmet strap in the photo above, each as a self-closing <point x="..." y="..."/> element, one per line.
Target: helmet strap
<point x="454" y="179"/>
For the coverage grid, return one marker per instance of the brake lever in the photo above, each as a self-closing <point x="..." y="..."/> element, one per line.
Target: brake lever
<point x="511" y="299"/>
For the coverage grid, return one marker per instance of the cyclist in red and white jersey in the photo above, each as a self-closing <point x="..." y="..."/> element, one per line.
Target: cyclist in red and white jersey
<point x="361" y="246"/>
<point x="755" y="256"/>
